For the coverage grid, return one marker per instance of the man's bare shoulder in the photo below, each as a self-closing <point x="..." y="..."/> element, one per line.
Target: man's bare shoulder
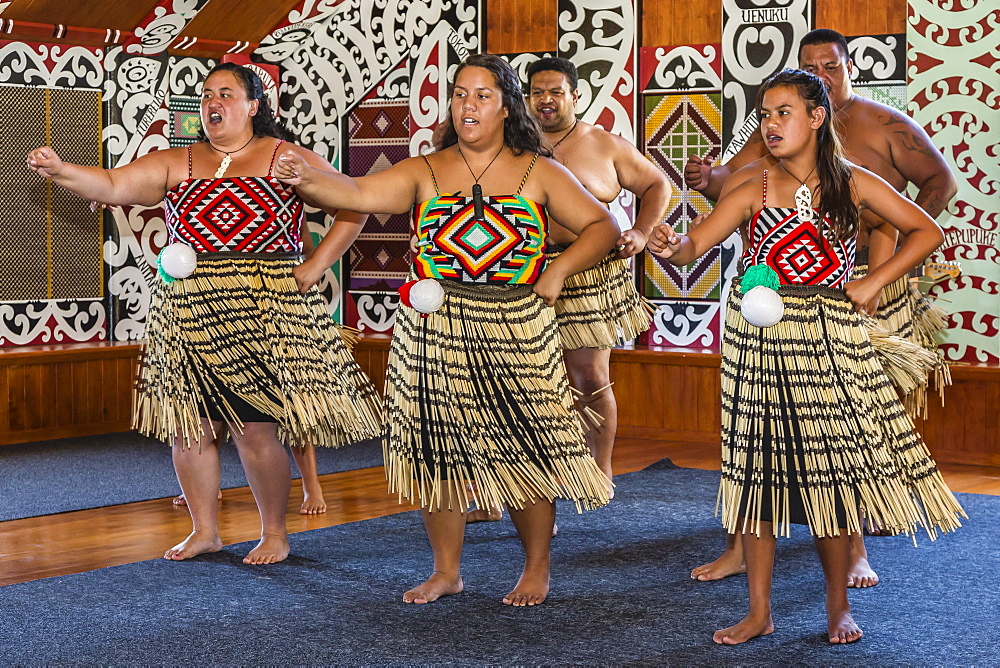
<point x="597" y="137"/>
<point x="901" y="130"/>
<point x="873" y="113"/>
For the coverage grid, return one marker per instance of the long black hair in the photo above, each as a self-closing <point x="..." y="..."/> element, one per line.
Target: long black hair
<point x="265" y="124"/>
<point x="836" y="198"/>
<point x="521" y="132"/>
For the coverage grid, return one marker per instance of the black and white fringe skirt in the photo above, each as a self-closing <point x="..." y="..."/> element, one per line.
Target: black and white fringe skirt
<point x="477" y="393"/>
<point x="238" y="326"/>
<point x="600" y="307"/>
<point x="812" y="429"/>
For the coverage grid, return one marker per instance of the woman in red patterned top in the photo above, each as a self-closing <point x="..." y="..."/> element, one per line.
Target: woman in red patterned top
<point x="242" y="340"/>
<point x="813" y="432"/>
<point x="476" y="391"/>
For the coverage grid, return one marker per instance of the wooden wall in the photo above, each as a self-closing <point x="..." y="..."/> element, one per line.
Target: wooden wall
<point x="677" y="22"/>
<point x="514" y="26"/>
<point x="66" y="390"/>
<point x="966" y="430"/>
<point x="668" y="395"/>
<point x="862" y="17"/>
<point x="517" y="26"/>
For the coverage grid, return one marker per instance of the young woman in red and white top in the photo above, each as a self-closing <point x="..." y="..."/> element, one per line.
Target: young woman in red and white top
<point x="812" y="430"/>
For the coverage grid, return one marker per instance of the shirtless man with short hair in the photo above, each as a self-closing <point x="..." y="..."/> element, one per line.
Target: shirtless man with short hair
<point x="599" y="308"/>
<point x="874" y="136"/>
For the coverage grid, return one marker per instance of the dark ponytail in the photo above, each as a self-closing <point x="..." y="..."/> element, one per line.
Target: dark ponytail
<point x="265" y="124"/>
<point x="836" y="198"/>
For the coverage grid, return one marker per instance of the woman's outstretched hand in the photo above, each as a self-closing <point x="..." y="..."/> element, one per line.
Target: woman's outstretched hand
<point x="290" y="168"/>
<point x="45" y="162"/>
<point x="663" y="242"/>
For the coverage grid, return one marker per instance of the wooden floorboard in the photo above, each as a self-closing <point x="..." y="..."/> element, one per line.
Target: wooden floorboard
<point x="41" y="547"/>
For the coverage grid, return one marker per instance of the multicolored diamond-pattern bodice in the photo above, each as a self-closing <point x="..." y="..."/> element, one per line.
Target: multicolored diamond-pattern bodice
<point x="797" y="251"/>
<point x="248" y="214"/>
<point x="507" y="247"/>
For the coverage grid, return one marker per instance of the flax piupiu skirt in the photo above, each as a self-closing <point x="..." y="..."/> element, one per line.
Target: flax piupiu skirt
<point x="905" y="313"/>
<point x="813" y="431"/>
<point x="600" y="307"/>
<point x="236" y="341"/>
<point x="476" y="392"/>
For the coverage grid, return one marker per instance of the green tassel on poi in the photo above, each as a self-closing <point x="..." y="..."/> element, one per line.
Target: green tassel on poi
<point x="167" y="278"/>
<point x="759" y="274"/>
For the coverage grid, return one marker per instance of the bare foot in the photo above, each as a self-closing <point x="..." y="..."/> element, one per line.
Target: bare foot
<point x="555" y="529"/>
<point x="860" y="574"/>
<point x="196" y="543"/>
<point x="437" y="585"/>
<point x="313" y="502"/>
<point x="492" y="515"/>
<point x="749" y="627"/>
<point x="271" y="549"/>
<point x="842" y="628"/>
<point x="179" y="500"/>
<point x="726" y="565"/>
<point x="531" y="589"/>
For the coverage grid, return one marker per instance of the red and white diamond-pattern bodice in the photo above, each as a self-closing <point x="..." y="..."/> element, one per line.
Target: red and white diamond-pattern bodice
<point x="243" y="214"/>
<point x="796" y="250"/>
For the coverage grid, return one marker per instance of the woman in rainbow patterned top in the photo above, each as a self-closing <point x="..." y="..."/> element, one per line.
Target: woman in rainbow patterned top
<point x="476" y="390"/>
<point x="242" y="339"/>
<point x="812" y="430"/>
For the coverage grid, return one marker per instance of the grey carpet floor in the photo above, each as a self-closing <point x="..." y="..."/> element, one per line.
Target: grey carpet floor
<point x="621" y="595"/>
<point x="95" y="471"/>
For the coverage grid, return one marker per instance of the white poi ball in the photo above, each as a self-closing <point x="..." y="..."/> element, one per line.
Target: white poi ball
<point x="762" y="307"/>
<point x="178" y="260"/>
<point x="426" y="295"/>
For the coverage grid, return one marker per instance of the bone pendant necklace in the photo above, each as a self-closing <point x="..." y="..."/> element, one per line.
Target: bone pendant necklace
<point x="228" y="160"/>
<point x="803" y="197"/>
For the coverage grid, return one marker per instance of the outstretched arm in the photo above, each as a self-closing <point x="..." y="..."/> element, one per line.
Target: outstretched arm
<point x="143" y="181"/>
<point x="640" y="176"/>
<point x="391" y="191"/>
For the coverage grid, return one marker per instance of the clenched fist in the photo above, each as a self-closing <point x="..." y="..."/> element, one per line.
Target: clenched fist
<point x="290" y="167"/>
<point x="45" y="162"/>
<point x="698" y="172"/>
<point x="663" y="242"/>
